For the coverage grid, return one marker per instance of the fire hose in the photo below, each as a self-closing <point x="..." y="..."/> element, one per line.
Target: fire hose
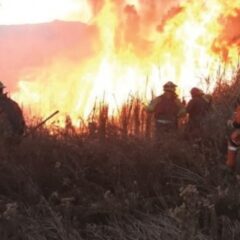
<point x="40" y="124"/>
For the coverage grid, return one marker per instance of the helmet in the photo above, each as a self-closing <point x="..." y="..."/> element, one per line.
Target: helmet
<point x="2" y="85"/>
<point x="196" y="92"/>
<point x="169" y="86"/>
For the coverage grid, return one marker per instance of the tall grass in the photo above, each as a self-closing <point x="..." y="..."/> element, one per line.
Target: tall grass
<point x="110" y="179"/>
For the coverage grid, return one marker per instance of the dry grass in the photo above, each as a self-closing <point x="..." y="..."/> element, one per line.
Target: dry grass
<point x="111" y="180"/>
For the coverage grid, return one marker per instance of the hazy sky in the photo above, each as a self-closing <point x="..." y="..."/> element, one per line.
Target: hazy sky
<point x="35" y="11"/>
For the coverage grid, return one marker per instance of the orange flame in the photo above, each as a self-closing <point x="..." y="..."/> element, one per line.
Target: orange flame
<point x="138" y="50"/>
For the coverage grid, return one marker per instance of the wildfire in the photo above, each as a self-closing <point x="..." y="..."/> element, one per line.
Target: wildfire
<point x="140" y="46"/>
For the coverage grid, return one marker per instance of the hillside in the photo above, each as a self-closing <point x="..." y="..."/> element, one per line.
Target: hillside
<point x="113" y="181"/>
<point x="25" y="46"/>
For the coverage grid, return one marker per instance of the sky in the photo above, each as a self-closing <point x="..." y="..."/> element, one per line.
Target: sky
<point x="37" y="11"/>
<point x="14" y="12"/>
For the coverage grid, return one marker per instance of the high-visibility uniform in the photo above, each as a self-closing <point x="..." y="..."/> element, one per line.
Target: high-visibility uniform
<point x="167" y="109"/>
<point x="234" y="140"/>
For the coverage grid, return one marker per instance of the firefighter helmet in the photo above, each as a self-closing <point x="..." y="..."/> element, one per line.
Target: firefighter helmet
<point x="169" y="86"/>
<point x="196" y="92"/>
<point x="2" y="85"/>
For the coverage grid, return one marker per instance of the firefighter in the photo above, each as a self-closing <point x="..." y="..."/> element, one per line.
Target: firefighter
<point x="197" y="108"/>
<point x="234" y="138"/>
<point x="167" y="109"/>
<point x="12" y="123"/>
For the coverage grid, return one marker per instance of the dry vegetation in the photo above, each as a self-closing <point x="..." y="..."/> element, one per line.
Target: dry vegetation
<point x="113" y="181"/>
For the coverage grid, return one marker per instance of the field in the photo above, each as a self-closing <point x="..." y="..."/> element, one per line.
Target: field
<point x="114" y="181"/>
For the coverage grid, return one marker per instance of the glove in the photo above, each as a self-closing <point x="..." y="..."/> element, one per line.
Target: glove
<point x="230" y="124"/>
<point x="235" y="137"/>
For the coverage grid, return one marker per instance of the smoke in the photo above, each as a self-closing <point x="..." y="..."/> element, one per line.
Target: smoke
<point x="137" y="20"/>
<point x="229" y="37"/>
<point x="96" y="6"/>
<point x="123" y="42"/>
<point x="39" y="45"/>
<point x="231" y="32"/>
<point x="148" y="10"/>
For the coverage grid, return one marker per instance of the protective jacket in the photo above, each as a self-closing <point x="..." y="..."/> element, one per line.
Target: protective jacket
<point x="234" y="139"/>
<point x="11" y="116"/>
<point x="167" y="109"/>
<point x="197" y="108"/>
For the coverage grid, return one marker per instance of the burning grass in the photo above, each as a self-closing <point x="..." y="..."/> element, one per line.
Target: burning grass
<point x="113" y="181"/>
